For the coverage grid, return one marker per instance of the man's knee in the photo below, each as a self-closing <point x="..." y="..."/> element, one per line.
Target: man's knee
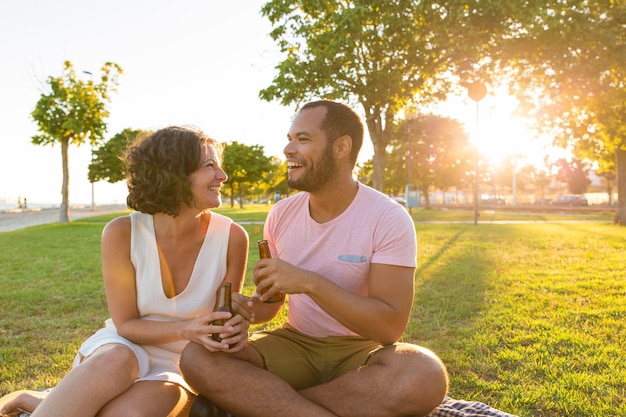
<point x="191" y="356"/>
<point x="419" y="376"/>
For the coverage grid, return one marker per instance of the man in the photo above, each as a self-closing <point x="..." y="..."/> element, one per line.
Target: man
<point x="345" y="255"/>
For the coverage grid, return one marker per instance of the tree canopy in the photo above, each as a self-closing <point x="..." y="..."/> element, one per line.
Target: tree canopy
<point x="107" y="163"/>
<point x="73" y="112"/>
<point x="439" y="155"/>
<point x="568" y="64"/>
<point x="245" y="166"/>
<point x="566" y="59"/>
<point x="383" y="55"/>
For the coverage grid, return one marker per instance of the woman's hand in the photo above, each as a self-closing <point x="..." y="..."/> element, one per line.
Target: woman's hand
<point x="201" y="328"/>
<point x="233" y="334"/>
<point x="234" y="340"/>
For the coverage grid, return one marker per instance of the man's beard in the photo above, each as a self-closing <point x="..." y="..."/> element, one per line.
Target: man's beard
<point x="315" y="177"/>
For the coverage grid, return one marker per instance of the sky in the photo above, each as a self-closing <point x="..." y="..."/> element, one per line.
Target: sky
<point x="189" y="62"/>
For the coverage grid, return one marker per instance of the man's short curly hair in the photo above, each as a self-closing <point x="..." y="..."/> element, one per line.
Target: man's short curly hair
<point x="158" y="168"/>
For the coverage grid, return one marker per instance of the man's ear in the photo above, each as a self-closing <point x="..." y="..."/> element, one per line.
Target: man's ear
<point x="342" y="147"/>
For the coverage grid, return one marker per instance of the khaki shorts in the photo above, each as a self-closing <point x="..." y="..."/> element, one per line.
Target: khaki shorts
<point x="305" y="361"/>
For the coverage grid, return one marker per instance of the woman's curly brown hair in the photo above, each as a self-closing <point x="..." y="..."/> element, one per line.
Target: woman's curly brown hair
<point x="158" y="168"/>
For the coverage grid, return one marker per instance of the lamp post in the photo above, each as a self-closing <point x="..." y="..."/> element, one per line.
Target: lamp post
<point x="476" y="91"/>
<point x="410" y="115"/>
<point x="93" y="193"/>
<point x="514" y="185"/>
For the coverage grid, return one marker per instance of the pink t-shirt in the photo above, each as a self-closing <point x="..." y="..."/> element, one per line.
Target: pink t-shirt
<point x="373" y="229"/>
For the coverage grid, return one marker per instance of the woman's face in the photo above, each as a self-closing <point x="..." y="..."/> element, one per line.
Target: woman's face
<point x="207" y="180"/>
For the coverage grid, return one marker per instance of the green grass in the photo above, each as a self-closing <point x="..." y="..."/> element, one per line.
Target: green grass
<point x="529" y="318"/>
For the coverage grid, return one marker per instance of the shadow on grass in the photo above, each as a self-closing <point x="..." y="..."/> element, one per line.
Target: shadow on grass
<point x="450" y="286"/>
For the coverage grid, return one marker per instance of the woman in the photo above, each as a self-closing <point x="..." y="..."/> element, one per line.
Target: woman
<point x="162" y="266"/>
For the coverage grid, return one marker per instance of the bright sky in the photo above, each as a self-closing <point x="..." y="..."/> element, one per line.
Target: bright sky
<point x="195" y="62"/>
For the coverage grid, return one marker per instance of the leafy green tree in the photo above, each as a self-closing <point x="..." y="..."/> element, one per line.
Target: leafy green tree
<point x="441" y="154"/>
<point x="245" y="166"/>
<point x="383" y="55"/>
<point x="277" y="177"/>
<point x="73" y="112"/>
<point x="107" y="163"/>
<point x="366" y="172"/>
<point x="568" y="61"/>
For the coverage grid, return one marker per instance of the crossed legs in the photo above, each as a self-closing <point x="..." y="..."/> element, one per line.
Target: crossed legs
<point x="399" y="380"/>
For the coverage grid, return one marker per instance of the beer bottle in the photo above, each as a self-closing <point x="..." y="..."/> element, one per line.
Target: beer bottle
<point x="264" y="253"/>
<point x="223" y="304"/>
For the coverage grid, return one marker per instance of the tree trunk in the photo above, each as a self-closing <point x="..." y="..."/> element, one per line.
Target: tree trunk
<point x="375" y="129"/>
<point x="64" y="213"/>
<point x="426" y="197"/>
<point x="380" y="161"/>
<point x="620" y="213"/>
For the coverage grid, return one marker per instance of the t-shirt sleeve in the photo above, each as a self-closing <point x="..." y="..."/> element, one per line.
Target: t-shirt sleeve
<point x="395" y="241"/>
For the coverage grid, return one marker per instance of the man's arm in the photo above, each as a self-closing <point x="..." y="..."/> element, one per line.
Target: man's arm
<point x="381" y="316"/>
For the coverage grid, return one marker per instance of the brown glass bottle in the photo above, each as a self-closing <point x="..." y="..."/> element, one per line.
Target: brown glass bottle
<point x="223" y="304"/>
<point x="264" y="253"/>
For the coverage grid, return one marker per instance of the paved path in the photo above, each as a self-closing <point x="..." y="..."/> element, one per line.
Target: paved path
<point x="18" y="219"/>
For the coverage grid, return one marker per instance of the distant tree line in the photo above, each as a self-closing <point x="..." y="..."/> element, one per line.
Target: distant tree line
<point x="251" y="173"/>
<point x="434" y="153"/>
<point x="441" y="159"/>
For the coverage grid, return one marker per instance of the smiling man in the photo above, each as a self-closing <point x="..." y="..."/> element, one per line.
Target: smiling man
<point x="345" y="255"/>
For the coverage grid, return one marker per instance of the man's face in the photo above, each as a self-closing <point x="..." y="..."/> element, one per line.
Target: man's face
<point x="309" y="154"/>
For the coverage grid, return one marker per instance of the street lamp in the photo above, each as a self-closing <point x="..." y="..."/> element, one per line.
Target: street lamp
<point x="411" y="195"/>
<point x="476" y="91"/>
<point x="93" y="193"/>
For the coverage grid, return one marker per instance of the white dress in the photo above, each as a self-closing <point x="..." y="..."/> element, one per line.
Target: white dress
<point x="161" y="362"/>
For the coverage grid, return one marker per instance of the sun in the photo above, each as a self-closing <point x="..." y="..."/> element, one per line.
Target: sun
<point x="498" y="132"/>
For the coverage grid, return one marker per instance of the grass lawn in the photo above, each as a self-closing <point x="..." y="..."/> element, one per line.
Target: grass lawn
<point x="529" y="318"/>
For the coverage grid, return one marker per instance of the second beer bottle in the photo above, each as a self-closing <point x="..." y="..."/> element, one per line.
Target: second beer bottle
<point x="223" y="304"/>
<point x="264" y="253"/>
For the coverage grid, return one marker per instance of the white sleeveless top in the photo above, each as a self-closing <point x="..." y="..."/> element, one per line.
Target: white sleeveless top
<point x="161" y="362"/>
<point x="196" y="299"/>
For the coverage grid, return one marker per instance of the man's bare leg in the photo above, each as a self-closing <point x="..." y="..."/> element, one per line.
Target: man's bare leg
<point x="238" y="384"/>
<point x="398" y="380"/>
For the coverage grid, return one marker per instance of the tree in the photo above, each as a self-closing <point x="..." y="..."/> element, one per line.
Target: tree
<point x="574" y="174"/>
<point x="107" y="163"/>
<point x="440" y="158"/>
<point x="277" y="177"/>
<point x="568" y="63"/>
<point x="245" y="165"/>
<point x="441" y="154"/>
<point x="382" y="54"/>
<point x="73" y="112"/>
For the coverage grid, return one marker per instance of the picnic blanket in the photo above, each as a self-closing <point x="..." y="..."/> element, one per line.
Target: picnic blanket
<point x="450" y="408"/>
<point x="461" y="408"/>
